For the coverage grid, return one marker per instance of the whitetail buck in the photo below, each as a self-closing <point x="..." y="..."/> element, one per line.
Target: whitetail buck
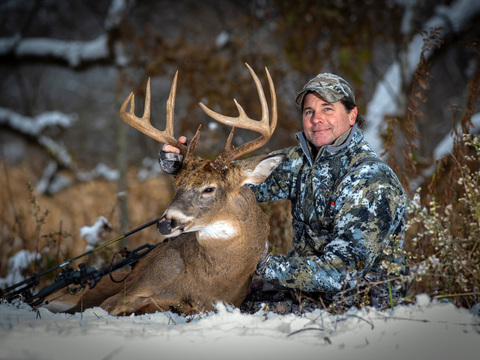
<point x="221" y="229"/>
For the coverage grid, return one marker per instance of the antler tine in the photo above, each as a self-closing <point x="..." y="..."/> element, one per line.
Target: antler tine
<point x="144" y="125"/>
<point x="265" y="126"/>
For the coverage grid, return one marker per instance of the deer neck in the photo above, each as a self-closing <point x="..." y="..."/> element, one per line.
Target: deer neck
<point x="218" y="232"/>
<point x="242" y="222"/>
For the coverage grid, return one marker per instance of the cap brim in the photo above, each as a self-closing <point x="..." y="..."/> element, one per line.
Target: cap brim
<point x="326" y="94"/>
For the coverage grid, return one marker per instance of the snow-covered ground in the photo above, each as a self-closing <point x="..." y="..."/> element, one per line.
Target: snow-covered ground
<point x="426" y="330"/>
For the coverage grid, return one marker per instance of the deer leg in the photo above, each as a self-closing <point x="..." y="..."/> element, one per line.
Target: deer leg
<point x="65" y="301"/>
<point x="120" y="305"/>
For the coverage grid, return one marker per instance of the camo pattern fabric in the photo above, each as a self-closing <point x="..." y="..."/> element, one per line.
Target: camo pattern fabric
<point x="367" y="212"/>
<point x="331" y="87"/>
<point x="170" y="163"/>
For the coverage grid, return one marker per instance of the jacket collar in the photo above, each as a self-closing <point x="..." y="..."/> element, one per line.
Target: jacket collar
<point x="304" y="145"/>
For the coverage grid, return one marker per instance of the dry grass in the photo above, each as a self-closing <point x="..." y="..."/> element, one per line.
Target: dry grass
<point x="32" y="221"/>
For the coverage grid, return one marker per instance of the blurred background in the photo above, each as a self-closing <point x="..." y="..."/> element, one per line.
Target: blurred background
<point x="67" y="66"/>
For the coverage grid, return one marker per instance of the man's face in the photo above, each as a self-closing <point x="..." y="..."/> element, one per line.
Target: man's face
<point x="323" y="122"/>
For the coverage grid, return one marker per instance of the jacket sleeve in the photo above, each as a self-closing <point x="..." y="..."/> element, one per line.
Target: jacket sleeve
<point x="369" y="208"/>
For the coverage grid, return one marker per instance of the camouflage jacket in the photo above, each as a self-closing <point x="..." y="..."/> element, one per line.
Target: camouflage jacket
<point x="367" y="212"/>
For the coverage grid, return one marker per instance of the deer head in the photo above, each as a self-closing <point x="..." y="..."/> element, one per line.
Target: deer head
<point x="204" y="188"/>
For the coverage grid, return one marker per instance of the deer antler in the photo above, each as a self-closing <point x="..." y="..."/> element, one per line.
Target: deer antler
<point x="144" y="125"/>
<point x="264" y="126"/>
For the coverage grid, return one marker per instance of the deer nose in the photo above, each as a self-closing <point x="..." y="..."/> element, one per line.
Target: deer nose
<point x="164" y="226"/>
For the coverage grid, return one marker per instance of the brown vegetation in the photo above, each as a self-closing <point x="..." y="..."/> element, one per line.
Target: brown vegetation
<point x="443" y="227"/>
<point x="32" y="221"/>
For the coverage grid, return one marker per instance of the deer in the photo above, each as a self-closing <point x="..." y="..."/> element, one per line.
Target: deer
<point x="214" y="228"/>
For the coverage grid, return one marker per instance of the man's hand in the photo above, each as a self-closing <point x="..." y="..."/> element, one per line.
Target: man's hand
<point x="172" y="149"/>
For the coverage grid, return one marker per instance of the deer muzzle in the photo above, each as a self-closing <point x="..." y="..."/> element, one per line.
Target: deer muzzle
<point x="171" y="225"/>
<point x="166" y="226"/>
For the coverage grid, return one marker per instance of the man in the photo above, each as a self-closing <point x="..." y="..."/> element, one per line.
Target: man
<point x="348" y="206"/>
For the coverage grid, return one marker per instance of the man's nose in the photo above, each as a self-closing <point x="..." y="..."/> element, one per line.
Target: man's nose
<point x="317" y="118"/>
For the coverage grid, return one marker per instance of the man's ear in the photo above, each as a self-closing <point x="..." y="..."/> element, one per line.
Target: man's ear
<point x="256" y="169"/>
<point x="353" y="116"/>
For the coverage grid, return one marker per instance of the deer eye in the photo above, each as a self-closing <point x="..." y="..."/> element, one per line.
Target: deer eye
<point x="208" y="190"/>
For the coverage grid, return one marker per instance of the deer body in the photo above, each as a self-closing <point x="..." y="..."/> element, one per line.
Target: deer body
<point x="213" y="263"/>
<point x="218" y="231"/>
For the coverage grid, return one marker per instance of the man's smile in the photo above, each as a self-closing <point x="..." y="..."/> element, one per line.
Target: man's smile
<point x="319" y="130"/>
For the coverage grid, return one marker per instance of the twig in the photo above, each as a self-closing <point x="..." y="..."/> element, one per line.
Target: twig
<point x="302" y="330"/>
<point x="361" y="318"/>
<point x="402" y="318"/>
<point x="455" y="295"/>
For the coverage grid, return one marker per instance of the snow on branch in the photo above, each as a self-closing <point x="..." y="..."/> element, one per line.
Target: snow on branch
<point x="116" y="13"/>
<point x="73" y="52"/>
<point x="101" y="171"/>
<point x="34" y="126"/>
<point x="53" y="181"/>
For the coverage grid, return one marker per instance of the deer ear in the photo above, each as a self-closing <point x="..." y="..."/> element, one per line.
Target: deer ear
<point x="257" y="169"/>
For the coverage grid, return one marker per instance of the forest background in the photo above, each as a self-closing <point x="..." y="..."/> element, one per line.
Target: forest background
<point x="67" y="159"/>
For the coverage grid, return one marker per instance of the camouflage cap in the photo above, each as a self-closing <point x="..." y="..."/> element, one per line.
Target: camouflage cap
<point x="331" y="87"/>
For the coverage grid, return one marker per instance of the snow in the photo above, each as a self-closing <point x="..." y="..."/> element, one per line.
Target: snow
<point x="102" y="171"/>
<point x="95" y="233"/>
<point x="35" y="125"/>
<point x="51" y="181"/>
<point x="116" y="13"/>
<point x="426" y="330"/>
<point x="222" y="39"/>
<point x="73" y="52"/>
<point x="16" y="264"/>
